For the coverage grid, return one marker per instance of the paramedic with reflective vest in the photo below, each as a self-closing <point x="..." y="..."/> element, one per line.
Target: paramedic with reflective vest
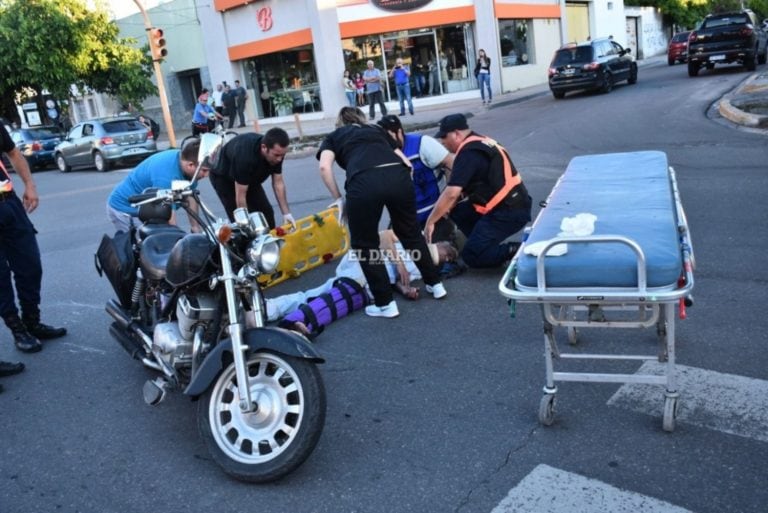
<point x="431" y="161"/>
<point x="485" y="195"/>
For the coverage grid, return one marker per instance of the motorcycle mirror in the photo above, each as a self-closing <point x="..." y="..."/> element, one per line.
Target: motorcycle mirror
<point x="209" y="143"/>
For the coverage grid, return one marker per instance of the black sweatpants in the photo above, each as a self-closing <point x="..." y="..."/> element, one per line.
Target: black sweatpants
<point x="256" y="199"/>
<point x="368" y="192"/>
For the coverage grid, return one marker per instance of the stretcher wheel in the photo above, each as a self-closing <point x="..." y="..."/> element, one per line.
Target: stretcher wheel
<point x="670" y="414"/>
<point x="573" y="336"/>
<point x="547" y="409"/>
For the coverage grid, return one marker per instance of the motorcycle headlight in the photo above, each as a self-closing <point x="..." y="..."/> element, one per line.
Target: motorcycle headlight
<point x="264" y="253"/>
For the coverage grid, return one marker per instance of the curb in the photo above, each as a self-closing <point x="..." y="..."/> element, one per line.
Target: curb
<point x="729" y="108"/>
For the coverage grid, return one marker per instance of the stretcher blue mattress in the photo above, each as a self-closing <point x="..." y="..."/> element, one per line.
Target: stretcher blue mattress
<point x="631" y="195"/>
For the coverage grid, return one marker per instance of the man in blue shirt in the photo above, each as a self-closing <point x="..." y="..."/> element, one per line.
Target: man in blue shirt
<point x="204" y="116"/>
<point x="158" y="171"/>
<point x="402" y="75"/>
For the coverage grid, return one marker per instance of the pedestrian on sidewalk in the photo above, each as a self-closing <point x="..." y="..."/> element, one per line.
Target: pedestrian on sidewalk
<point x="21" y="270"/>
<point x="483" y="75"/>
<point x="349" y="88"/>
<point x="241" y="96"/>
<point x="372" y="78"/>
<point x="230" y="104"/>
<point x="402" y="76"/>
<point x="378" y="176"/>
<point x="360" y="86"/>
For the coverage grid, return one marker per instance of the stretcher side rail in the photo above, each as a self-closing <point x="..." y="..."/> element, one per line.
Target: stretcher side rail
<point x="598" y="294"/>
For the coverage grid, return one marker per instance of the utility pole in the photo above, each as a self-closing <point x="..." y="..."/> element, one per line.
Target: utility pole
<point x="157" y="56"/>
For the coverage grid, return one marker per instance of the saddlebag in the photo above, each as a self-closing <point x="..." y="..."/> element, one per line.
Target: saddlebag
<point x="115" y="259"/>
<point x="345" y="297"/>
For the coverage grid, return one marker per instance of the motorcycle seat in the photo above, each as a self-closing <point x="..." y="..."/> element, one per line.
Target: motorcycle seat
<point x="155" y="251"/>
<point x="148" y="229"/>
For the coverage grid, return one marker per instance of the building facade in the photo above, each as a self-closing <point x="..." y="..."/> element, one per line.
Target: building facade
<point x="300" y="48"/>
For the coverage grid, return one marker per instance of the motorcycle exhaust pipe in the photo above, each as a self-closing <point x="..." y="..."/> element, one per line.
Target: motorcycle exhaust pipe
<point x="125" y="322"/>
<point x="118" y="314"/>
<point x="132" y="346"/>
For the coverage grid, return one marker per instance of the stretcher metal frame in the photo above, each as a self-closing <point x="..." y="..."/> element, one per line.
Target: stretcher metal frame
<point x="575" y="308"/>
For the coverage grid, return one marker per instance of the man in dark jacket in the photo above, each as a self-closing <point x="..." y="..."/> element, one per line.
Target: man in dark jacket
<point x="20" y="260"/>
<point x="230" y="105"/>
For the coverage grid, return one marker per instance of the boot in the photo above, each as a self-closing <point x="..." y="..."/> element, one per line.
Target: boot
<point x="10" y="368"/>
<point x="38" y="329"/>
<point x="25" y="341"/>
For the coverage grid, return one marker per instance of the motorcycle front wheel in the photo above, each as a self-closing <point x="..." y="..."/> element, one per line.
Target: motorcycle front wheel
<point x="283" y="430"/>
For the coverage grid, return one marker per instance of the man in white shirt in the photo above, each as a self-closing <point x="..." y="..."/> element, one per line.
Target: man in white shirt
<point x="218" y="105"/>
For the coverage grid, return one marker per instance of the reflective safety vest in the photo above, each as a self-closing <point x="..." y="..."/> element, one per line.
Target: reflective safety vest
<point x="504" y="182"/>
<point x="425" y="181"/>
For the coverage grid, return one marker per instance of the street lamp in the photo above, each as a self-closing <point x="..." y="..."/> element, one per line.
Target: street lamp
<point x="157" y="47"/>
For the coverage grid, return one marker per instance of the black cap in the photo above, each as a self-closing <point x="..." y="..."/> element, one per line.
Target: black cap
<point x="390" y="122"/>
<point x="450" y="123"/>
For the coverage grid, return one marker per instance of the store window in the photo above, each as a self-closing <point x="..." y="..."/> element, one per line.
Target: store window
<point x="436" y="56"/>
<point x="285" y="82"/>
<point x="516" y="40"/>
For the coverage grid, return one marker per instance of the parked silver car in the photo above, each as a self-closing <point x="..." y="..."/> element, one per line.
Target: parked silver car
<point x="103" y="142"/>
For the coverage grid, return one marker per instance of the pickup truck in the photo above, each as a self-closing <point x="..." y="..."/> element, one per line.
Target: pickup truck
<point x="726" y="38"/>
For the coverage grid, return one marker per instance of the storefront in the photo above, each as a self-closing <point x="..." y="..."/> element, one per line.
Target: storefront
<point x="292" y="53"/>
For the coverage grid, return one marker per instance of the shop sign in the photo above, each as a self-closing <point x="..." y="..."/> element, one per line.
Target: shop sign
<point x="400" y="5"/>
<point x="264" y="18"/>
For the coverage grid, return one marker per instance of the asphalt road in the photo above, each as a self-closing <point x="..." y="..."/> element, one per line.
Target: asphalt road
<point x="436" y="411"/>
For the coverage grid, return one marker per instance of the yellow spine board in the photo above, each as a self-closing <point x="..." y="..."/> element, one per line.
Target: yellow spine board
<point x="318" y="239"/>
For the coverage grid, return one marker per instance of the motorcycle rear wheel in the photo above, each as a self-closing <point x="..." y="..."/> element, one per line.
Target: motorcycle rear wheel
<point x="277" y="438"/>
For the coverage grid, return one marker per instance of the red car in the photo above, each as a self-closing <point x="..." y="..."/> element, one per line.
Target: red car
<point x="678" y="48"/>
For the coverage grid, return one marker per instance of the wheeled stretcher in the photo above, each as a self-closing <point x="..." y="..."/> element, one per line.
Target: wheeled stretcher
<point x="635" y="270"/>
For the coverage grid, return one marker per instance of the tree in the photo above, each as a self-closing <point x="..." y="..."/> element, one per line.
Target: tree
<point x="688" y="13"/>
<point x="52" y="45"/>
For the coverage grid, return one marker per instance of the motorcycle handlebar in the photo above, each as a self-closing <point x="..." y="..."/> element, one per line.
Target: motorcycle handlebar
<point x="136" y="198"/>
<point x="161" y="194"/>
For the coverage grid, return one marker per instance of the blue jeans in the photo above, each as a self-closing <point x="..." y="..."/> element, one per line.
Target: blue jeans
<point x="404" y="94"/>
<point x="485" y="79"/>
<point x="485" y="233"/>
<point x="19" y="257"/>
<point x="351" y="98"/>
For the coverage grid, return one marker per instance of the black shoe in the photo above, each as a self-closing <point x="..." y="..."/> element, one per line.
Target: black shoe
<point x="24" y="341"/>
<point x="45" y="332"/>
<point x="9" y="368"/>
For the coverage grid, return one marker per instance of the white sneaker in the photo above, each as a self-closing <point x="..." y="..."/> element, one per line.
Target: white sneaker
<point x="437" y="290"/>
<point x="389" y="311"/>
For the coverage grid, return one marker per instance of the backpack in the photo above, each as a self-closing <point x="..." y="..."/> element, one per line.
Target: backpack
<point x="345" y="297"/>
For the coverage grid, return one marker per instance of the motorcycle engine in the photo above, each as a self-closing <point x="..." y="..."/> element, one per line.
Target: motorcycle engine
<point x="174" y="339"/>
<point x="192" y="310"/>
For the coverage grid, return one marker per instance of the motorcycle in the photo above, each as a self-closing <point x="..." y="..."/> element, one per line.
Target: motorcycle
<point x="196" y="316"/>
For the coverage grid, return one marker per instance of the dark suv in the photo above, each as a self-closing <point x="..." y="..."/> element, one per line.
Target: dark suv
<point x="596" y="64"/>
<point x="724" y="38"/>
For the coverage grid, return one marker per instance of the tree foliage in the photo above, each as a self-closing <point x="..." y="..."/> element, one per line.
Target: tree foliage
<point x="52" y="45"/>
<point x="688" y="13"/>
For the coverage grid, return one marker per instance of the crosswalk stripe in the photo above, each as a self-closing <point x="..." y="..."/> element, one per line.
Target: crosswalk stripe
<point x="550" y="490"/>
<point x="724" y="402"/>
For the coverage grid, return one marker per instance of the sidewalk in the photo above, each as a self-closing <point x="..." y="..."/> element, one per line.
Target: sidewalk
<point x="429" y="110"/>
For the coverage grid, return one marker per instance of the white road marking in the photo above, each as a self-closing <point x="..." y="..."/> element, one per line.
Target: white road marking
<point x="549" y="490"/>
<point x="724" y="402"/>
<point x="76" y="348"/>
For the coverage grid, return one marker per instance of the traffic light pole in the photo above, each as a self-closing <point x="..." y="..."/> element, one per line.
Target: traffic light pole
<point x="159" y="78"/>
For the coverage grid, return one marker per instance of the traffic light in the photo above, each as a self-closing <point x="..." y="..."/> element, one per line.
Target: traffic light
<point x="157" y="44"/>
